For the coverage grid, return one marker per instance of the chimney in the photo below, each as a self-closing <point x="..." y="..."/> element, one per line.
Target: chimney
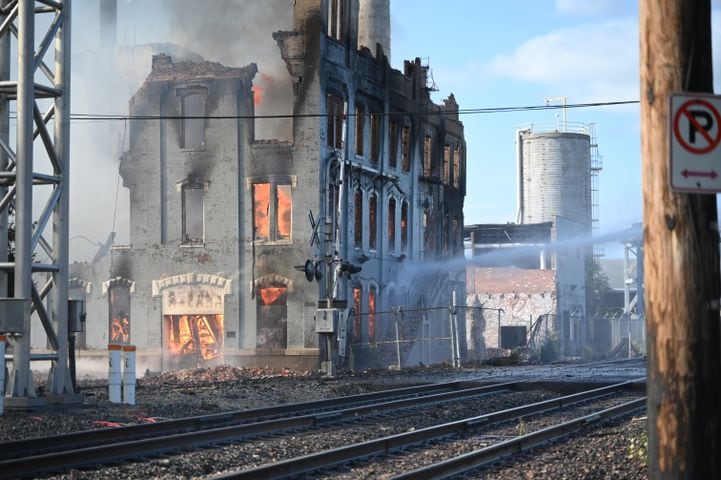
<point x="108" y="23"/>
<point x="374" y="25"/>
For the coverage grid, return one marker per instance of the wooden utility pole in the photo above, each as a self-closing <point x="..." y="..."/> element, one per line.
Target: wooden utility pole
<point x="681" y="255"/>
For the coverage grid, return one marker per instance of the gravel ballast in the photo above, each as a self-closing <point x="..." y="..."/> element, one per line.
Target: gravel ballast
<point x="611" y="451"/>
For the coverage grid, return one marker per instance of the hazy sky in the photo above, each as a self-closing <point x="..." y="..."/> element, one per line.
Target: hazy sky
<point x="489" y="54"/>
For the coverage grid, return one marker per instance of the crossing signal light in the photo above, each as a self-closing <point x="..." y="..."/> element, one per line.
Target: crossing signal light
<point x="311" y="270"/>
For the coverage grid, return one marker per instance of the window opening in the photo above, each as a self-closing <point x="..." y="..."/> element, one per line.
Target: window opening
<point x="406" y="149"/>
<point x="359" y="129"/>
<point x="192" y="129"/>
<point x="427" y="156"/>
<point x="358" y="219"/>
<point x="272" y="211"/>
<point x="119" y="309"/>
<point x="193" y="211"/>
<point x="375" y="137"/>
<point x="261" y="211"/>
<point x="336" y="14"/>
<point x="392" y="224"/>
<point x="272" y="317"/>
<point x="357" y="295"/>
<point x="336" y="118"/>
<point x="457" y="167"/>
<point x="404" y="226"/>
<point x="428" y="245"/>
<point x="372" y="314"/>
<point x="393" y="138"/>
<point x="285" y="207"/>
<point x="446" y="164"/>
<point x="373" y="222"/>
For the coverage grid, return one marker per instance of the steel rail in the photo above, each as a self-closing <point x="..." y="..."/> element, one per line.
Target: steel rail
<point x="25" y="447"/>
<point x="380" y="446"/>
<point x="56" y="461"/>
<point x="478" y="458"/>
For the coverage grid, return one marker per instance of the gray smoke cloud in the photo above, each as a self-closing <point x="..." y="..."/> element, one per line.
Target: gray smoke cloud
<point x="235" y="33"/>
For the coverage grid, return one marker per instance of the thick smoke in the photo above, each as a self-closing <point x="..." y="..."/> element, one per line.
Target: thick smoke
<point x="235" y="33"/>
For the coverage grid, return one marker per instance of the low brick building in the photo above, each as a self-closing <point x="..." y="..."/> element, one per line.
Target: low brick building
<point x="521" y="292"/>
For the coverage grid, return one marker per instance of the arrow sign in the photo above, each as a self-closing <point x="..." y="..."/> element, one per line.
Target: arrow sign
<point x="687" y="173"/>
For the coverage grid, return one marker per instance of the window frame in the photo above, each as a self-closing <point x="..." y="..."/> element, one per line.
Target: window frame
<point x="393" y="144"/>
<point x="274" y="236"/>
<point x="406" y="148"/>
<point x="184" y="94"/>
<point x="360" y="120"/>
<point x="336" y="118"/>
<point x="192" y="186"/>
<point x="358" y="219"/>
<point x="373" y="221"/>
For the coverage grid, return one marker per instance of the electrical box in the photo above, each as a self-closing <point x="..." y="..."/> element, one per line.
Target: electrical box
<point x="12" y="315"/>
<point x="326" y="319"/>
<point x="76" y="316"/>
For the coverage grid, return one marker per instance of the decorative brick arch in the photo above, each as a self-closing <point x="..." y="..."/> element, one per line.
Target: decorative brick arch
<point x="191" y="279"/>
<point x="272" y="278"/>
<point x="80" y="284"/>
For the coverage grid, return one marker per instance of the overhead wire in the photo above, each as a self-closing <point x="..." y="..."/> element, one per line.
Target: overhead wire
<point x="434" y="112"/>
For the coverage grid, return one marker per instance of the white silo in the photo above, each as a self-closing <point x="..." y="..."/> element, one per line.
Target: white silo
<point x="554" y="175"/>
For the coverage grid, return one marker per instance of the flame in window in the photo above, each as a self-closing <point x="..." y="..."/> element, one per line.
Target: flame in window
<point x="357" y="313"/>
<point x="372" y="314"/>
<point x="269" y="295"/>
<point x="261" y="210"/>
<point x="285" y="205"/>
<point x="120" y="330"/>
<point x="195" y="334"/>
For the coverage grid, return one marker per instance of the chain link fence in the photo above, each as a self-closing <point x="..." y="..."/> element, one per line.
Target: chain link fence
<point x="400" y="337"/>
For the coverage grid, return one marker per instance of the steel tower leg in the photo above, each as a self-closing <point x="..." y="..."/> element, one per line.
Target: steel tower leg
<point x="38" y="88"/>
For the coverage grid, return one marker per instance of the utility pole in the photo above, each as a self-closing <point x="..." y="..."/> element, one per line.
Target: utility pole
<point x="681" y="254"/>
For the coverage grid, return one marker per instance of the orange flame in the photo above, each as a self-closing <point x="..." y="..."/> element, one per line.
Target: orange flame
<point x="284" y="211"/>
<point x="258" y="92"/>
<point x="261" y="206"/>
<point x="265" y="81"/>
<point x="120" y="330"/>
<point x="270" y="294"/>
<point x="196" y="334"/>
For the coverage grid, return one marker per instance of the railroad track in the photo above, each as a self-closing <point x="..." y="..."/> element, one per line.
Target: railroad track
<point x="94" y="447"/>
<point x="384" y="446"/>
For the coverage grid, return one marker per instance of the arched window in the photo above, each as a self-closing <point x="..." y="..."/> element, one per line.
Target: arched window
<point x="272" y="316"/>
<point x="192" y="111"/>
<point x="373" y="222"/>
<point x="193" y="211"/>
<point x="357" y="302"/>
<point x="358" y="233"/>
<point x="372" y="313"/>
<point x="392" y="224"/>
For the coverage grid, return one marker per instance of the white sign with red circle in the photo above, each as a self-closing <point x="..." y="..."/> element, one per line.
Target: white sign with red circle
<point x="695" y="135"/>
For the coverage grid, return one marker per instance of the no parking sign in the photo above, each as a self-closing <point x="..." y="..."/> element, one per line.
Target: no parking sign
<point x="695" y="135"/>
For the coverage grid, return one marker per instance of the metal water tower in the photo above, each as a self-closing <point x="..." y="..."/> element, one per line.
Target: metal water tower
<point x="556" y="168"/>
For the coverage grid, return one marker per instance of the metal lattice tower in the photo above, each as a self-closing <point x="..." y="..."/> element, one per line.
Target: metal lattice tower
<point x="35" y="84"/>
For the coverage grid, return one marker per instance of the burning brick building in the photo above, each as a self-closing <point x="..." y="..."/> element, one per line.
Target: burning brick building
<point x="219" y="218"/>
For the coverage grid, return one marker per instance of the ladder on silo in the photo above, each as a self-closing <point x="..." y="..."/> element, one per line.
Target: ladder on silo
<point x="596" y="167"/>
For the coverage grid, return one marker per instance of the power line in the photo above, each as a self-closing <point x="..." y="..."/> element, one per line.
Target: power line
<point x="434" y="112"/>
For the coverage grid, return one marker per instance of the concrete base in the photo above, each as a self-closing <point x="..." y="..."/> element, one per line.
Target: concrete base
<point x="24" y="403"/>
<point x="66" y="399"/>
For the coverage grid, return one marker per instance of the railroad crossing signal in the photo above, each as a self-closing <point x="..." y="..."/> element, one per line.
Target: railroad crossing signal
<point x="695" y="135"/>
